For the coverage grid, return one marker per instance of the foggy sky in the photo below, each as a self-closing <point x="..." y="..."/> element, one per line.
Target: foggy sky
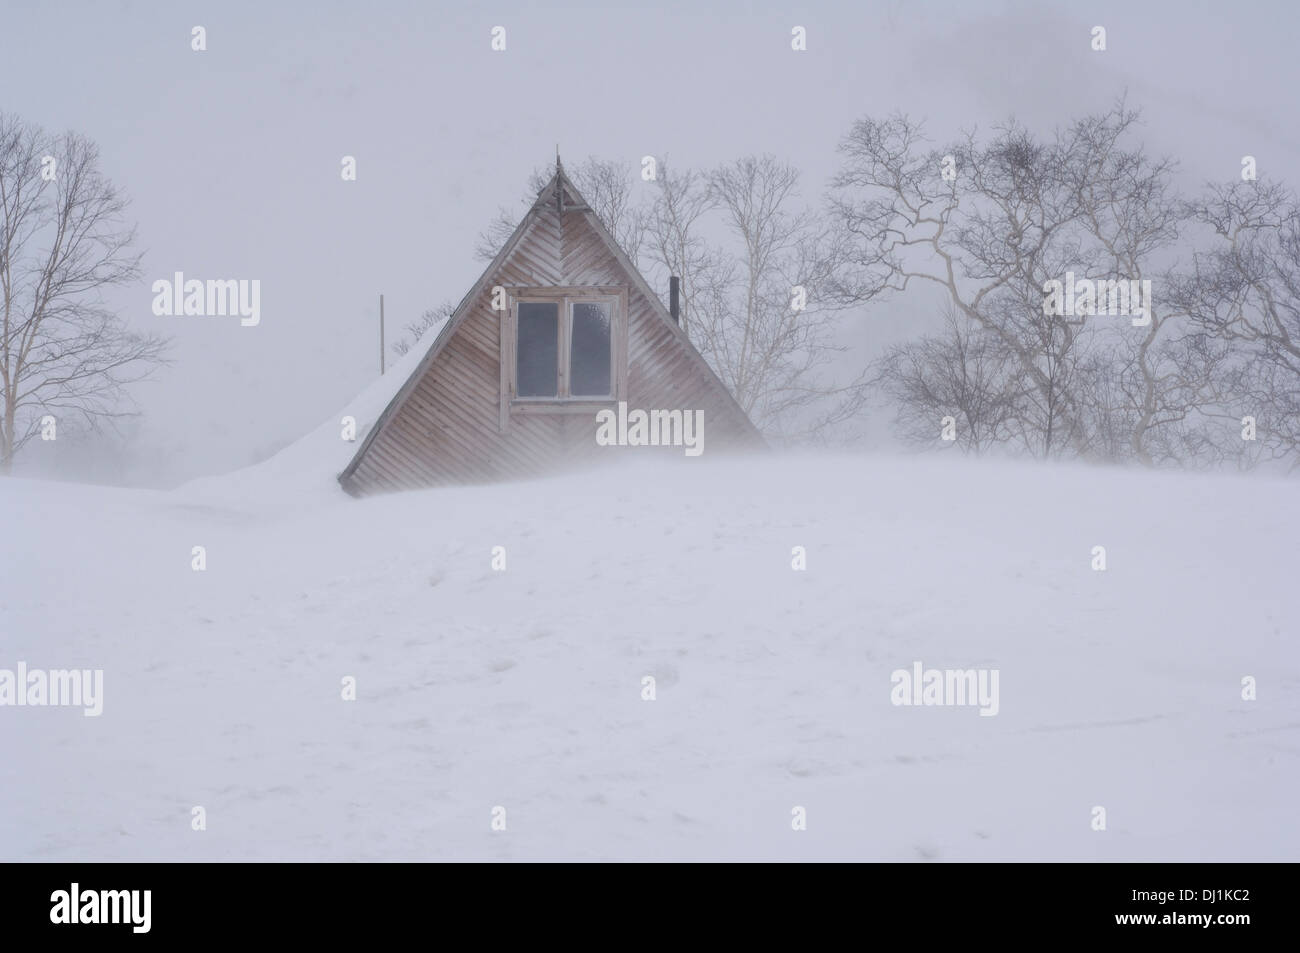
<point x="232" y="155"/>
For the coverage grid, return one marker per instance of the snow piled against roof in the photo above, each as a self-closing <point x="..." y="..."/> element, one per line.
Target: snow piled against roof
<point x="310" y="465"/>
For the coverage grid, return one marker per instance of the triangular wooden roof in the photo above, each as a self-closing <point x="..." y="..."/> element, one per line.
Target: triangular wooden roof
<point x="571" y="201"/>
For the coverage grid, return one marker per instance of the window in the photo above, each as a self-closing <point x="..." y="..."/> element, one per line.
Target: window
<point x="539" y="347"/>
<point x="589" y="352"/>
<point x="566" y="346"/>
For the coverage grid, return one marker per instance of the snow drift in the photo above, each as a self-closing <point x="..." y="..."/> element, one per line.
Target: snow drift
<point x="481" y="688"/>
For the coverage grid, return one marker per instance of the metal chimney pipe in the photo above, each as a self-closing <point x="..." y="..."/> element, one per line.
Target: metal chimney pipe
<point x="674" y="299"/>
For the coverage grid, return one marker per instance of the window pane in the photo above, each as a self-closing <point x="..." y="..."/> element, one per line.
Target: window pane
<point x="539" y="346"/>
<point x="589" y="369"/>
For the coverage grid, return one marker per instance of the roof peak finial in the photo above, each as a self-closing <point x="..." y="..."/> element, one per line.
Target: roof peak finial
<point x="559" y="183"/>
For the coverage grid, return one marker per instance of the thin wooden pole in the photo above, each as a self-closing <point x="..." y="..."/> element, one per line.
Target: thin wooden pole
<point x="381" y="335"/>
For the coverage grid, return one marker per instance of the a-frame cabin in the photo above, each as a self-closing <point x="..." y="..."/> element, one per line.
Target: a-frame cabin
<point x="512" y="390"/>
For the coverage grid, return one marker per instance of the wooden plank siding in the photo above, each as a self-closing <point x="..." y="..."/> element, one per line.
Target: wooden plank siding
<point x="450" y="422"/>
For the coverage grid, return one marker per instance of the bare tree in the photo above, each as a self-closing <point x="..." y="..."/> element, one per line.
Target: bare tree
<point x="431" y="319"/>
<point x="610" y="190"/>
<point x="1049" y="414"/>
<point x="764" y="323"/>
<point x="991" y="224"/>
<point x="677" y="243"/>
<point x="1245" y="290"/>
<point x="493" y="238"/>
<point x="978" y="222"/>
<point x="1163" y="378"/>
<point x="63" y="242"/>
<point x="963" y="373"/>
<point x="752" y="261"/>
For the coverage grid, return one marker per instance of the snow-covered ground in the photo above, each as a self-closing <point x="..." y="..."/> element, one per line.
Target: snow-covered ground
<point x="522" y="688"/>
